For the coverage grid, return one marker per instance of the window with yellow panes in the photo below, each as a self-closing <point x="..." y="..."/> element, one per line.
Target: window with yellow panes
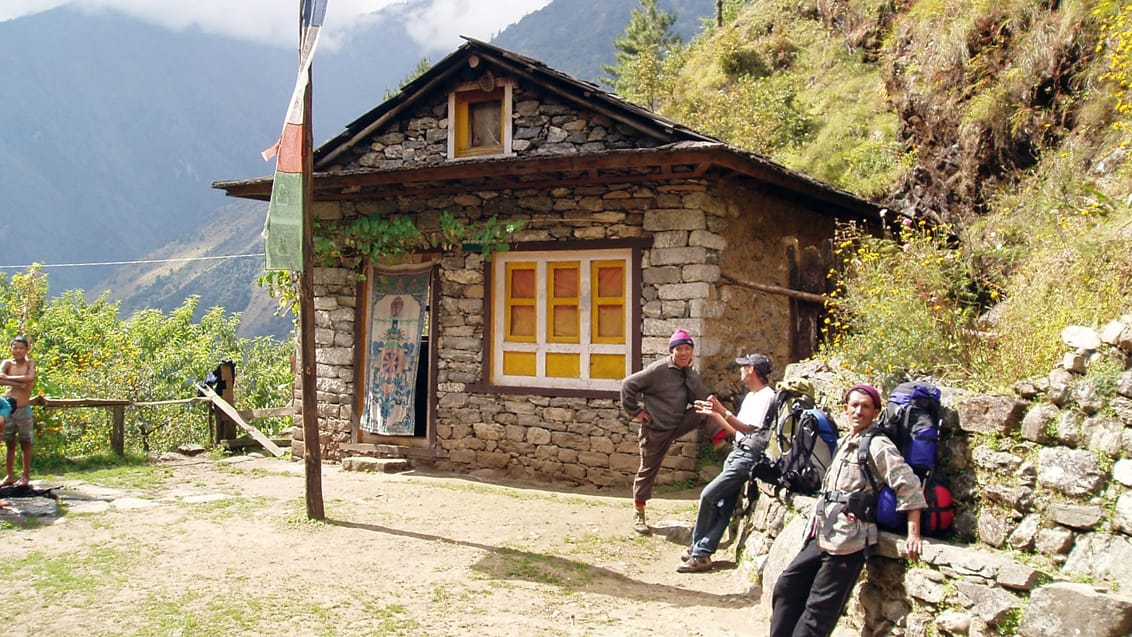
<point x="561" y="318"/>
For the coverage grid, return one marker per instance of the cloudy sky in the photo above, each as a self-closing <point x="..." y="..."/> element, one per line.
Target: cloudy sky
<point x="276" y="21"/>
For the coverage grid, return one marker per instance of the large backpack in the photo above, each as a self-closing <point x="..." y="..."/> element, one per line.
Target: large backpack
<point x="800" y="440"/>
<point x="808" y="451"/>
<point x="911" y="420"/>
<point x="790" y="400"/>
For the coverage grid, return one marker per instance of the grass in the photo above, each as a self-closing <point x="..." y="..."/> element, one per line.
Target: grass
<point x="69" y="578"/>
<point x="568" y="575"/>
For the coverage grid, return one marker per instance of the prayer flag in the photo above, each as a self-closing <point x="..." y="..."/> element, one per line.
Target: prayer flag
<point x="283" y="230"/>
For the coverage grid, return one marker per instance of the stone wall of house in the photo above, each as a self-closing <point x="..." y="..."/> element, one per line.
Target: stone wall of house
<point x="581" y="441"/>
<point x="1043" y="539"/>
<point x="760" y="226"/>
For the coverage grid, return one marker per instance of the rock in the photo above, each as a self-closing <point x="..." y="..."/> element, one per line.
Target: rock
<point x="1036" y="422"/>
<point x="1069" y="428"/>
<point x="1121" y="339"/>
<point x="1102" y="558"/>
<point x="1022" y="539"/>
<point x="1075" y="609"/>
<point x="1122" y="407"/>
<point x="1060" y="381"/>
<point x="1122" y="472"/>
<point x="1021" y="498"/>
<point x="992" y="604"/>
<point x="992" y="528"/>
<point x="1112" y="333"/>
<point x="375" y="465"/>
<point x="1055" y="541"/>
<point x="1080" y="517"/>
<point x="990" y="414"/>
<point x="986" y="458"/>
<point x="1074" y="362"/>
<point x="1069" y="471"/>
<point x="925" y="584"/>
<point x="191" y="450"/>
<point x="1087" y="397"/>
<point x="1019" y="577"/>
<point x="1080" y="337"/>
<point x="782" y="552"/>
<point x="1103" y="434"/>
<point x="1027" y="389"/>
<point x="1124" y="384"/>
<point x="954" y="622"/>
<point x="1122" y="514"/>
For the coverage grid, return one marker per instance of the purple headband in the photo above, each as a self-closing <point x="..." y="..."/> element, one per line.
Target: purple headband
<point x="866" y="389"/>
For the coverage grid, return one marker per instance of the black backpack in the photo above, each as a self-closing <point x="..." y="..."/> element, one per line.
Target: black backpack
<point x="799" y="441"/>
<point x="808" y="452"/>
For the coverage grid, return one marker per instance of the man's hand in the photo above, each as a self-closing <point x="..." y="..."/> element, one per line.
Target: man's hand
<point x="914" y="544"/>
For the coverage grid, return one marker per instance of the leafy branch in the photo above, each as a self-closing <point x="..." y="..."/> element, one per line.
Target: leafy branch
<point x="377" y="237"/>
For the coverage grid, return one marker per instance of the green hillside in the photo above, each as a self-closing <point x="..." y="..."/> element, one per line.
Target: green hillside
<point x="1007" y="122"/>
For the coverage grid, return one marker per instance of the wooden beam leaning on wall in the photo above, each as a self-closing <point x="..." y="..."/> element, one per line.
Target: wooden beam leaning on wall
<point x="231" y="412"/>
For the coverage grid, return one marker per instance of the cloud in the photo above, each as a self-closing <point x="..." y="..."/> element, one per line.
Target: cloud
<point x="275" y="22"/>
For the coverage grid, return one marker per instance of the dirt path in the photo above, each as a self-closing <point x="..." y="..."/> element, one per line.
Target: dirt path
<point x="225" y="548"/>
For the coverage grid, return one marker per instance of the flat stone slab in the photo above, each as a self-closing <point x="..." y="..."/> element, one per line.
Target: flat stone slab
<point x="375" y="465"/>
<point x="36" y="507"/>
<point x="133" y="503"/>
<point x="205" y="497"/>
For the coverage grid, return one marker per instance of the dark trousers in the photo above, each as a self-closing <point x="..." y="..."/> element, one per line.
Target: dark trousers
<point x="654" y="446"/>
<point x="811" y="593"/>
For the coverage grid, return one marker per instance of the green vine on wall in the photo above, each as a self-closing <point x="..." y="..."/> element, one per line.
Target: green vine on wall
<point x="377" y="237"/>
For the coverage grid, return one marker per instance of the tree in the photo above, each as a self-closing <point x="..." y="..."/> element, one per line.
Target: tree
<point x="642" y="51"/>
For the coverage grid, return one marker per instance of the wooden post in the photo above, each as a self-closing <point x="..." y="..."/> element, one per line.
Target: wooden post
<point x="226" y="427"/>
<point x="118" y="429"/>
<point x="313" y="454"/>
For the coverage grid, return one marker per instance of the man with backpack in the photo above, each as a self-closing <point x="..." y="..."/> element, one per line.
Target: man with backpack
<point x="718" y="499"/>
<point x="812" y="591"/>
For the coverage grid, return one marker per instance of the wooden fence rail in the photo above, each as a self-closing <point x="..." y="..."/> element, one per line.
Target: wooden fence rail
<point x="118" y="407"/>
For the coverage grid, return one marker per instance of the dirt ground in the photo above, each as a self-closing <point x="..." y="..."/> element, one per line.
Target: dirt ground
<point x="224" y="547"/>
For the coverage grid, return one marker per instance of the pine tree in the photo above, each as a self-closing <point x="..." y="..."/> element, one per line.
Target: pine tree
<point x="648" y="41"/>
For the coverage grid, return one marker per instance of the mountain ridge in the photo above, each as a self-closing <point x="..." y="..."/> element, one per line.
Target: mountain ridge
<point x="109" y="155"/>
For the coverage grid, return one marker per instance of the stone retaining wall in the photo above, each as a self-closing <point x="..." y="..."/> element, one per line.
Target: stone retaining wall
<point x="1043" y="538"/>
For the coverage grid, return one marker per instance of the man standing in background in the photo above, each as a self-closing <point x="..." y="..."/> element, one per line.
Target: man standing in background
<point x="661" y="397"/>
<point x="18" y="374"/>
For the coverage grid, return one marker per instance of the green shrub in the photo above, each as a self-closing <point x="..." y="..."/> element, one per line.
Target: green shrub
<point x="900" y="308"/>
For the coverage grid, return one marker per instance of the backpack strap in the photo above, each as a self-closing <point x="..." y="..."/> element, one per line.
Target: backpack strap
<point x="863" y="460"/>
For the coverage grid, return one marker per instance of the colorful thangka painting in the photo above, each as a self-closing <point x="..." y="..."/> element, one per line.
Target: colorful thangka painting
<point x="398" y="301"/>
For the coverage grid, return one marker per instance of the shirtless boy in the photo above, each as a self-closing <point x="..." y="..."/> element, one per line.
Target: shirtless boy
<point x="18" y="374"/>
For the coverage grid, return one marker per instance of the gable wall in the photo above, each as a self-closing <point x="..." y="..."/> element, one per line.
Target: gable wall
<point x="543" y="124"/>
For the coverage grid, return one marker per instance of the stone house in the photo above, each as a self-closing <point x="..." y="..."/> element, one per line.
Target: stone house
<point x="633" y="225"/>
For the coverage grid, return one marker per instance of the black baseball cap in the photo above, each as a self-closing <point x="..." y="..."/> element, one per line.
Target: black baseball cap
<point x="760" y="363"/>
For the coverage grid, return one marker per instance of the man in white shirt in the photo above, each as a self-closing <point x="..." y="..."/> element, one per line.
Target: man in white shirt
<point x="718" y="499"/>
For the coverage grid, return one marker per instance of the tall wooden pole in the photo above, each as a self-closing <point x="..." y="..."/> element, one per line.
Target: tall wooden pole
<point x="312" y="447"/>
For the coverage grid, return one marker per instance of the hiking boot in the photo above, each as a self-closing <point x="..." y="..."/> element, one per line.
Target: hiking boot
<point x="695" y="564"/>
<point x="639" y="524"/>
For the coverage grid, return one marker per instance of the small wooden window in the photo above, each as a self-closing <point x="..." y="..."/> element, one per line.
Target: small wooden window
<point x="480" y="121"/>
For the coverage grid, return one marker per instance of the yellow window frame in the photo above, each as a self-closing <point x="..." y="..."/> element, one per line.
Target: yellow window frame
<point x="460" y="104"/>
<point x="510" y="302"/>
<point x="599" y="301"/>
